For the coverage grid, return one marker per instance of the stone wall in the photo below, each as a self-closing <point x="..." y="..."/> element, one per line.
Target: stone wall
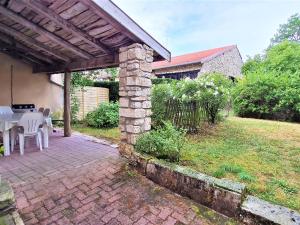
<point x="229" y="63"/>
<point x="134" y="91"/>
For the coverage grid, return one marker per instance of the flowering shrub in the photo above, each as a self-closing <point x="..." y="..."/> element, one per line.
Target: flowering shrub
<point x="211" y="92"/>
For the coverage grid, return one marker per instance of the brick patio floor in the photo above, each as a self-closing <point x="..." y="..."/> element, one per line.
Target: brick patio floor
<point x="77" y="181"/>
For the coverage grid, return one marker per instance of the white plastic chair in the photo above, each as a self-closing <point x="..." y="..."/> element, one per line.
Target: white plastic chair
<point x="6" y="110"/>
<point x="28" y="126"/>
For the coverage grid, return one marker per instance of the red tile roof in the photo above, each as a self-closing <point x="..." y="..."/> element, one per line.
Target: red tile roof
<point x="190" y="58"/>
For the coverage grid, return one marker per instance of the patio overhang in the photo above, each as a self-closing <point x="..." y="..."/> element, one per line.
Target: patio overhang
<point x="57" y="36"/>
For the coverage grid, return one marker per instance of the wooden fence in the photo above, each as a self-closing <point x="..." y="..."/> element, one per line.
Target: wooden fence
<point x="89" y="98"/>
<point x="187" y="115"/>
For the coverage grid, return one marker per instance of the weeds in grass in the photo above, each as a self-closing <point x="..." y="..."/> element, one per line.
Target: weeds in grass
<point x="285" y="187"/>
<point x="234" y="169"/>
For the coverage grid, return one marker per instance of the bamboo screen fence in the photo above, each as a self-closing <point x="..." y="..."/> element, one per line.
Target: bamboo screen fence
<point x="89" y="98"/>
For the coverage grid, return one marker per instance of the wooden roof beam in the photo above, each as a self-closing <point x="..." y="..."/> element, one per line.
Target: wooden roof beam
<point x="40" y="30"/>
<point x="96" y="63"/>
<point x="66" y="25"/>
<point x="30" y="41"/>
<point x="28" y="60"/>
<point x="11" y="43"/>
<point x="122" y="22"/>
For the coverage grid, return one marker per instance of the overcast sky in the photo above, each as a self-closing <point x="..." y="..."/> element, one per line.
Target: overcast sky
<point x="184" y="26"/>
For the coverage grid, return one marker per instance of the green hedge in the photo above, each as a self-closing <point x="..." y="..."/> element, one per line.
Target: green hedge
<point x="113" y="87"/>
<point x="163" y="81"/>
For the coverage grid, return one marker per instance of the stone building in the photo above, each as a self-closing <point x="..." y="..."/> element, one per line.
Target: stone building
<point x="226" y="60"/>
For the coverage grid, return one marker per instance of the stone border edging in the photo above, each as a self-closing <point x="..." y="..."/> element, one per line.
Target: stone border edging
<point x="224" y="196"/>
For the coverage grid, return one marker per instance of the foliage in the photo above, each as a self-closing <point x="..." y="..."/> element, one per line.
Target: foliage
<point x="1" y="150"/>
<point x="113" y="87"/>
<point x="270" y="87"/>
<point x="288" y="31"/>
<point x="105" y="116"/>
<point x="163" y="81"/>
<point x="114" y="72"/>
<point x="163" y="143"/>
<point x="160" y="95"/>
<point x="209" y="91"/>
<point x="78" y="80"/>
<point x="251" y="151"/>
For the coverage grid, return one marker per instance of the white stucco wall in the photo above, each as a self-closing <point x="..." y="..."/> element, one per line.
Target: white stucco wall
<point x="27" y="87"/>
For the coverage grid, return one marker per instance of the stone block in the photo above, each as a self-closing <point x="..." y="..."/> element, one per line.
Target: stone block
<point x="135" y="94"/>
<point x="123" y="93"/>
<point x="136" y="53"/>
<point x="146" y="104"/>
<point x="136" y="105"/>
<point x="141" y="98"/>
<point x="7" y="198"/>
<point x="256" y="211"/>
<point x="123" y="56"/>
<point x="135" y="73"/>
<point x="161" y="174"/>
<point x="146" y="66"/>
<point x="147" y="124"/>
<point x="132" y="138"/>
<point x="133" y="129"/>
<point x="12" y="218"/>
<point x="226" y="202"/>
<point x="138" y="121"/>
<point x="132" y="113"/>
<point x="139" y="161"/>
<point x="124" y="102"/>
<point x="148" y="112"/>
<point x="138" y="81"/>
<point x="133" y="66"/>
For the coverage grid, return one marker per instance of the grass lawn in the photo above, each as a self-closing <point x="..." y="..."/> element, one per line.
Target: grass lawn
<point x="265" y="155"/>
<point x="110" y="134"/>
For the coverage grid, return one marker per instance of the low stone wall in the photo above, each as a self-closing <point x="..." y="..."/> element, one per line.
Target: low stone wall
<point x="225" y="196"/>
<point x="8" y="211"/>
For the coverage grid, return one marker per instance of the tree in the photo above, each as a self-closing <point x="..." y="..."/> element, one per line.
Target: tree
<point x="289" y="31"/>
<point x="283" y="57"/>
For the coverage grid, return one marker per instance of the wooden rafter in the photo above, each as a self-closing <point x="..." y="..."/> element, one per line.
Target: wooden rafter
<point x="96" y="63"/>
<point x="32" y="26"/>
<point x="30" y="41"/>
<point x="15" y="53"/>
<point x="122" y="22"/>
<point x="11" y="43"/>
<point x="66" y="25"/>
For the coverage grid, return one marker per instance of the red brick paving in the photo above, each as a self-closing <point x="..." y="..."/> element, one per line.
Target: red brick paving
<point x="77" y="181"/>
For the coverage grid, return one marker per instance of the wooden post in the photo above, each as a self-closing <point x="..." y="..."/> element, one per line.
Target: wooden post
<point x="67" y="105"/>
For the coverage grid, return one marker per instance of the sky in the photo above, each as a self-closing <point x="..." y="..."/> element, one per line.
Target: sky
<point x="185" y="26"/>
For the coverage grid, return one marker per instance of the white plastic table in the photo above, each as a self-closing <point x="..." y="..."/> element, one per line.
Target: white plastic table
<point x="9" y="121"/>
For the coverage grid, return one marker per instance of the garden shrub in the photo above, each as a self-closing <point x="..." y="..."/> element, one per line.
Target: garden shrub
<point x="105" y="116"/>
<point x="211" y="92"/>
<point x="163" y="143"/>
<point x="270" y="88"/>
<point x="113" y="87"/>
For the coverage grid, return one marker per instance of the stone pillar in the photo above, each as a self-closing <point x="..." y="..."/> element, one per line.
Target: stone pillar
<point x="134" y="91"/>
